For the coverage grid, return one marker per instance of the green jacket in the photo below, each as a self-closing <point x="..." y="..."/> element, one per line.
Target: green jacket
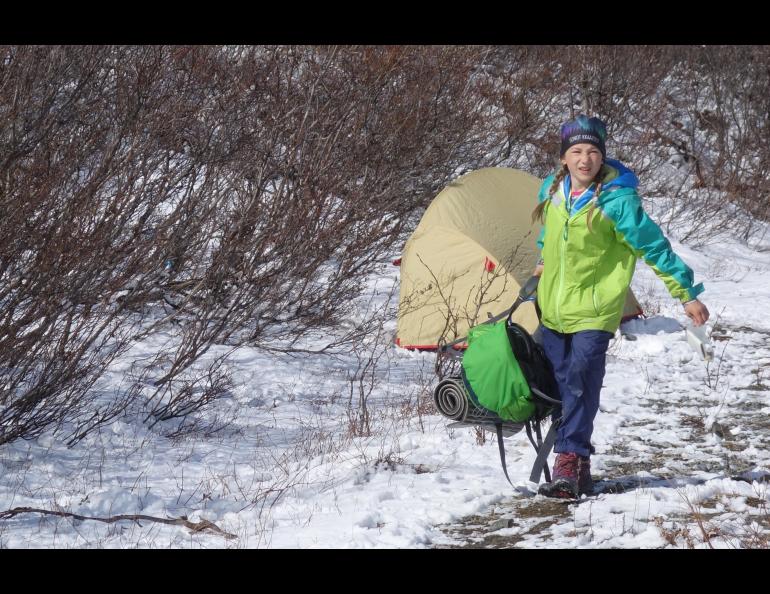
<point x="586" y="274"/>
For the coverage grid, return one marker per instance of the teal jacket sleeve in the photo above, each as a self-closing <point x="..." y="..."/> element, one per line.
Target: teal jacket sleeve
<point x="646" y="239"/>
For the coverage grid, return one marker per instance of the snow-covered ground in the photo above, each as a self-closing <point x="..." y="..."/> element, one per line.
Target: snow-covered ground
<point x="686" y="442"/>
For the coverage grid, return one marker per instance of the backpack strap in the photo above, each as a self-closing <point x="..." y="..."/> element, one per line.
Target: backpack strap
<point x="543" y="449"/>
<point x="499" y="428"/>
<point x="537" y="445"/>
<point x="543" y="452"/>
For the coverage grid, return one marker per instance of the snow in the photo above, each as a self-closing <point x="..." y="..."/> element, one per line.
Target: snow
<point x="287" y="471"/>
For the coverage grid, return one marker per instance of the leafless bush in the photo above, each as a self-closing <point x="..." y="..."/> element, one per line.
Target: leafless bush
<point x="694" y="116"/>
<point x="369" y="353"/>
<point x="249" y="189"/>
<point x="72" y="154"/>
<point x="187" y="395"/>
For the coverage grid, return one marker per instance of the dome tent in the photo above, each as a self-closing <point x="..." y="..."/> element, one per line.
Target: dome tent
<point x="466" y="261"/>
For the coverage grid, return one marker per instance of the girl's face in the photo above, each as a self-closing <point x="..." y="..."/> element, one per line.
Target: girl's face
<point x="583" y="161"/>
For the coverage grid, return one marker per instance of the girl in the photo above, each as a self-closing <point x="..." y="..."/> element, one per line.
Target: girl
<point x="594" y="229"/>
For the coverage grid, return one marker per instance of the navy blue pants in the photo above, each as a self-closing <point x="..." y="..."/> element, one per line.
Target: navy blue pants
<point x="578" y="362"/>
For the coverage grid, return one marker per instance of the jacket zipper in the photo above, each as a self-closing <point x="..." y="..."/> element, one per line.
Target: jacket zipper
<point x="563" y="262"/>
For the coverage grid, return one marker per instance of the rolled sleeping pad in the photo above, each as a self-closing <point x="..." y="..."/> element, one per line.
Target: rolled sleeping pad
<point x="452" y="401"/>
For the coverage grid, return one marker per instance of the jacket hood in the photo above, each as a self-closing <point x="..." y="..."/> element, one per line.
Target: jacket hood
<point x="619" y="176"/>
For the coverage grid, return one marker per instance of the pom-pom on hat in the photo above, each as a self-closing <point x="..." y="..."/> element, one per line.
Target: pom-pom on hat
<point x="584" y="129"/>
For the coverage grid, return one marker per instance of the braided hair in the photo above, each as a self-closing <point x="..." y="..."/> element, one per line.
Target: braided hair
<point x="539" y="213"/>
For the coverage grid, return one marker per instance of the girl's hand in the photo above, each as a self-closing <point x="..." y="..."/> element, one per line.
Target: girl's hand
<point x="697" y="312"/>
<point x="538" y="270"/>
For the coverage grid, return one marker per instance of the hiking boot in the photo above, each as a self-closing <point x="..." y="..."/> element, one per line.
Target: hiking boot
<point x="565" y="477"/>
<point x="585" y="482"/>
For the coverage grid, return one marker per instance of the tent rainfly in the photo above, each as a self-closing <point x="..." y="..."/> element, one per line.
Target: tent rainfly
<point x="473" y="249"/>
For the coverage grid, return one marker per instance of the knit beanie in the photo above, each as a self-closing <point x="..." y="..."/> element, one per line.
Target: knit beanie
<point x="584" y="129"/>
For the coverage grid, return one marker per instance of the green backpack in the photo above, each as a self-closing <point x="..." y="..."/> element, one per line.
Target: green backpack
<point x="492" y="375"/>
<point x="505" y="384"/>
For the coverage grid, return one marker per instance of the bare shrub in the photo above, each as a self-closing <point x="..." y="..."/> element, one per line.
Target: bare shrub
<point x="250" y="190"/>
<point x="188" y="394"/>
<point x="694" y="116"/>
<point x="72" y="155"/>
